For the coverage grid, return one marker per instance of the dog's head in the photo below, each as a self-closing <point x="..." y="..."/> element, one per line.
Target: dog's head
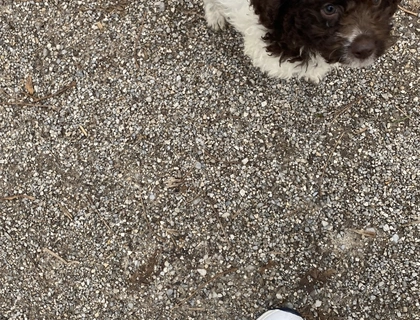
<point x="352" y="32"/>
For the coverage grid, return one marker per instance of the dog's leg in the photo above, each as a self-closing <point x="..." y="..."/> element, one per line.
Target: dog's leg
<point x="214" y="16"/>
<point x="316" y="69"/>
<point x="255" y="48"/>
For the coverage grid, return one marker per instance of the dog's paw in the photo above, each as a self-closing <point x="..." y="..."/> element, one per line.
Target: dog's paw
<point x="312" y="79"/>
<point x="215" y="19"/>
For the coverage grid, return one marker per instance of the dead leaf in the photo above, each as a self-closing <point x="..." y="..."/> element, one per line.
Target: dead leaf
<point x="316" y="278"/>
<point x="143" y="274"/>
<point x="270" y="264"/>
<point x="173" y="182"/>
<point x="29" y="85"/>
<point x="176" y="184"/>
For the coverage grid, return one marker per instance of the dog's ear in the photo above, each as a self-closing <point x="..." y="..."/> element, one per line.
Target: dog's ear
<point x="268" y="10"/>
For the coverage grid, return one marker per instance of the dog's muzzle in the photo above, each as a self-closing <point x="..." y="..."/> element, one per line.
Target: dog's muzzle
<point x="363" y="47"/>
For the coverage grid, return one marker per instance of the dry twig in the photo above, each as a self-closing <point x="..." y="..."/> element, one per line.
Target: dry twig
<point x="17" y="196"/>
<point x="26" y="104"/>
<point x="366" y="233"/>
<point x="346" y="108"/>
<point x="275" y="252"/>
<point x="35" y="103"/>
<point x="408" y="11"/>
<point x="65" y="211"/>
<point x="361" y="130"/>
<point x="46" y="250"/>
<point x="145" y="213"/>
<point x="83" y="130"/>
<point x="411" y="223"/>
<point x="403" y="112"/>
<point x="64" y="89"/>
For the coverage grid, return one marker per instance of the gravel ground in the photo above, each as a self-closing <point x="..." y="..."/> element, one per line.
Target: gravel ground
<point x="148" y="171"/>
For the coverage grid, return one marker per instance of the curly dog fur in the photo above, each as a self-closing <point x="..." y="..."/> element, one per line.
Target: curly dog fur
<point x="306" y="38"/>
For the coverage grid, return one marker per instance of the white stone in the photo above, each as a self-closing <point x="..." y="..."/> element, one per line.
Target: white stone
<point x="203" y="272"/>
<point x="395" y="238"/>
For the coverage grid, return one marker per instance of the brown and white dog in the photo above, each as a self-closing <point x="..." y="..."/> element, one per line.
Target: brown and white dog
<point x="306" y="38"/>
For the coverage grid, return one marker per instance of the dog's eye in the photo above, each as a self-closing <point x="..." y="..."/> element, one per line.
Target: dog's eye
<point x="330" y="9"/>
<point x="376" y="2"/>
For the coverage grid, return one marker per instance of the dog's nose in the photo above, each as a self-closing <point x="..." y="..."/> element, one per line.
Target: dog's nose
<point x="363" y="47"/>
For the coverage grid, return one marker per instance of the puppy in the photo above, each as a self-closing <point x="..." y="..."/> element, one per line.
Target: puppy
<point x="307" y="38"/>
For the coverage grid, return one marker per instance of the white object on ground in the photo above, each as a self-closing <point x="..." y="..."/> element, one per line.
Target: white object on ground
<point x="279" y="315"/>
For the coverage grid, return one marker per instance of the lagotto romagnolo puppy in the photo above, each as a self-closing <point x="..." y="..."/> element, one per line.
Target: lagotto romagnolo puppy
<point x="306" y="38"/>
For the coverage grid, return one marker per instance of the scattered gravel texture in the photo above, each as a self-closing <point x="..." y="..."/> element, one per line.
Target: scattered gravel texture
<point x="166" y="178"/>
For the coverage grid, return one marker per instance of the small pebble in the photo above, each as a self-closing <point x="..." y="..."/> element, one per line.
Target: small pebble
<point x="317" y="303"/>
<point x="395" y="238"/>
<point x="203" y="272"/>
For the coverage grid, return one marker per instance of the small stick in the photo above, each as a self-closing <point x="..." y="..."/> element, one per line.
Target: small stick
<point x="144" y="213"/>
<point x="237" y="212"/>
<point x="83" y="131"/>
<point x="46" y="250"/>
<point x="361" y="130"/>
<point x="403" y="112"/>
<point x="17" y="196"/>
<point x="346" y="108"/>
<point x="411" y="223"/>
<point x="275" y="252"/>
<point x="65" y="211"/>
<point x="39" y="105"/>
<point x="26" y="104"/>
<point x="408" y="11"/>
<point x="65" y="88"/>
<point x="201" y="286"/>
<point x="221" y="226"/>
<point x="366" y="233"/>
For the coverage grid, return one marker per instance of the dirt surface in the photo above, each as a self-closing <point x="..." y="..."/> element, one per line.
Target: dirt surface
<point x="148" y="171"/>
